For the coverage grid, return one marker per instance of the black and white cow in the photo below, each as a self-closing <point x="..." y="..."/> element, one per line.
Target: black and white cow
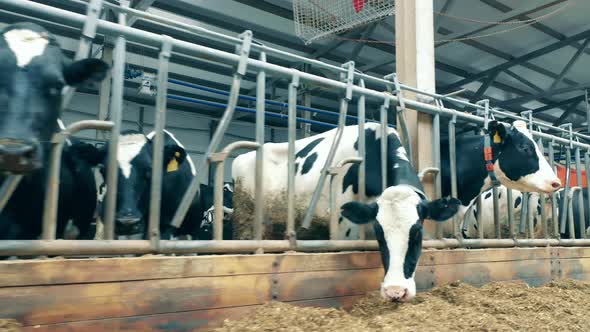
<point x="207" y="210"/>
<point x="518" y="163"/>
<point x="134" y="159"/>
<point x="471" y="227"/>
<point x="34" y="71"/>
<point x="399" y="210"/>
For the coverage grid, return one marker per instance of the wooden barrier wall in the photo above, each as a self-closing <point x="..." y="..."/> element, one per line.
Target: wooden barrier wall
<point x="196" y="293"/>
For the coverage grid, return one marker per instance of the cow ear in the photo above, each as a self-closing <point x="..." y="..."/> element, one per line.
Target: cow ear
<point x="497" y="131"/>
<point x="174" y="155"/>
<point x="360" y="213"/>
<point x="438" y="210"/>
<point x="86" y="70"/>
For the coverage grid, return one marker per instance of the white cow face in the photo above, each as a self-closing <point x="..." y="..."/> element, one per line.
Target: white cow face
<point x="400" y="212"/>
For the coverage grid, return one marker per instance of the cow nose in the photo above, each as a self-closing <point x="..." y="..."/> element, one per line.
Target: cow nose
<point x="556" y="184"/>
<point x="128" y="221"/>
<point x="19" y="156"/>
<point x="395" y="293"/>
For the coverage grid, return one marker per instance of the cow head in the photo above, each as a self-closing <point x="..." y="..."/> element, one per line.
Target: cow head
<point x="134" y="164"/>
<point x="520" y="164"/>
<point x="399" y="214"/>
<point x="34" y="71"/>
<point x="206" y="201"/>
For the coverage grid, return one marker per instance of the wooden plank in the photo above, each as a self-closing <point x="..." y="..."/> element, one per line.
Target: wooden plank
<point x="66" y="271"/>
<point x="532" y="271"/>
<point x="462" y="256"/>
<point x="194" y="321"/>
<point x="59" y="303"/>
<point x="574" y="252"/>
<point x="313" y="285"/>
<point x="575" y="268"/>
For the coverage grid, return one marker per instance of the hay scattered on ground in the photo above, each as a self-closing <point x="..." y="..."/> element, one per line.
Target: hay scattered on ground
<point x="10" y="325"/>
<point x="275" y="218"/>
<point x="508" y="306"/>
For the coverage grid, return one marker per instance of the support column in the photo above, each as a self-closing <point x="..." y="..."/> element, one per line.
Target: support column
<point x="414" y="38"/>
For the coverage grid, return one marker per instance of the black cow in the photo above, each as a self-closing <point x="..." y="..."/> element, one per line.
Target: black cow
<point x="207" y="211"/>
<point x="34" y="71"/>
<point x="518" y="163"/>
<point x="135" y="153"/>
<point x="576" y="210"/>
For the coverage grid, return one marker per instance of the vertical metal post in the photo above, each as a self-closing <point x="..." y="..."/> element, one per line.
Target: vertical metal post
<point x="384" y="125"/>
<point x="529" y="218"/>
<point x="291" y="128"/>
<point x="116" y="106"/>
<point x="193" y="189"/>
<point x="480" y="221"/>
<point x="85" y="45"/>
<point x="510" y="206"/>
<point x="104" y="89"/>
<point x="453" y="167"/>
<point x="140" y="120"/>
<point x="579" y="193"/>
<point x="401" y="114"/>
<point x="570" y="214"/>
<point x="524" y="207"/>
<point x="335" y="142"/>
<point x="158" y="152"/>
<point x="566" y="190"/>
<point x="307" y="103"/>
<point x="587" y="164"/>
<point x="587" y="110"/>
<point x="8" y="187"/>
<point x="362" y="154"/>
<point x="496" y="212"/>
<point x="259" y="176"/>
<point x="437" y="163"/>
<point x="553" y="195"/>
<point x="218" y="199"/>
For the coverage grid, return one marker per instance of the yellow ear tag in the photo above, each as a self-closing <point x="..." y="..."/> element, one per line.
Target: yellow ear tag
<point x="173" y="164"/>
<point x="497" y="138"/>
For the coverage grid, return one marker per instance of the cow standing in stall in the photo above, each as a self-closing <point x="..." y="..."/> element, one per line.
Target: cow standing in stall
<point x="134" y="159"/>
<point x="399" y="210"/>
<point x="518" y="164"/>
<point x="34" y="71"/>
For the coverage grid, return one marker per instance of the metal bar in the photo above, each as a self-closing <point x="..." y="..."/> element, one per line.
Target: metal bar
<point x="529" y="218"/>
<point x="453" y="167"/>
<point x="150" y="39"/>
<point x="336" y="174"/>
<point x="496" y="212"/>
<point x="480" y="221"/>
<point x="570" y="211"/>
<point x="437" y="164"/>
<point x="511" y="224"/>
<point x="362" y="180"/>
<point x="193" y="189"/>
<point x="123" y="247"/>
<point x="580" y="195"/>
<point x="158" y="152"/>
<point x="52" y="189"/>
<point x="587" y="110"/>
<point x="116" y="106"/>
<point x="85" y="45"/>
<point x="259" y="201"/>
<point x="292" y="132"/>
<point x="335" y="142"/>
<point x="566" y="190"/>
<point x="219" y="159"/>
<point x="383" y="117"/>
<point x="8" y="187"/>
<point x="569" y="65"/>
<point x="587" y="164"/>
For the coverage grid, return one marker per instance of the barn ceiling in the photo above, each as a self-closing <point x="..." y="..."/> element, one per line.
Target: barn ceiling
<point x="525" y="54"/>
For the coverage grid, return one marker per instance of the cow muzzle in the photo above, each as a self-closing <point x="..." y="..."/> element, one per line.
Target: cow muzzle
<point x="395" y="293"/>
<point x="19" y="156"/>
<point x="128" y="224"/>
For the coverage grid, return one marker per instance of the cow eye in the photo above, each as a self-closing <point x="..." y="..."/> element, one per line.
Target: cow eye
<point x="54" y="88"/>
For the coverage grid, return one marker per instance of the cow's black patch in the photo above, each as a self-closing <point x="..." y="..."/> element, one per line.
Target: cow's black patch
<point x="488" y="195"/>
<point x="348" y="232"/>
<point x="539" y="208"/>
<point x="517" y="201"/>
<point x="380" y="236"/>
<point x="414" y="250"/>
<point x="519" y="156"/>
<point x="296" y="167"/>
<point x="499" y="194"/>
<point x="307" y="149"/>
<point x="399" y="171"/>
<point x="308" y="164"/>
<point x="340" y="219"/>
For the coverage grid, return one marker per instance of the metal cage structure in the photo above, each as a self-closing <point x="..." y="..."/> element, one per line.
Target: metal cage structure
<point x="251" y="57"/>
<point x="316" y="19"/>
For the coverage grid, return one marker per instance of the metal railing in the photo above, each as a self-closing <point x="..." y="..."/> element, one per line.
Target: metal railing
<point x="351" y="85"/>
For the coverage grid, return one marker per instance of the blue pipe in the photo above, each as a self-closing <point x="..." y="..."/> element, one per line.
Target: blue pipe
<point x="270" y="102"/>
<point x="246" y="110"/>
